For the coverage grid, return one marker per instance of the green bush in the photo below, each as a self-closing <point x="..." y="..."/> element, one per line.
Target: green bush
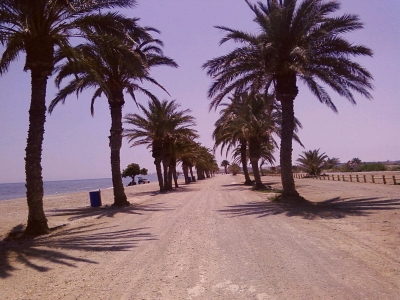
<point x="371" y="167"/>
<point x="234" y="169"/>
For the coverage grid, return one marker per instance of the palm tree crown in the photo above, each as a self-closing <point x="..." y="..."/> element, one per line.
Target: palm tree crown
<point x="312" y="161"/>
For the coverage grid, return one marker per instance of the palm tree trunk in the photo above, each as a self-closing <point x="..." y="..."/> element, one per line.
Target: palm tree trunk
<point x="157" y="162"/>
<point x="170" y="175"/>
<point x="243" y="159"/>
<point x="287" y="100"/>
<point x="115" y="146"/>
<point x="157" y="153"/>
<point x="255" y="153"/>
<point x="172" y="169"/>
<point x="165" y="164"/>
<point x="185" y="170"/>
<point x="37" y="222"/>
<point x="257" y="178"/>
<point x="261" y="164"/>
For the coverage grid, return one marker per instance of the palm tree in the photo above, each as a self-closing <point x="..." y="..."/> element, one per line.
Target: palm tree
<point x="312" y="161"/>
<point x="188" y="153"/>
<point x="113" y="66"/>
<point x="254" y="118"/>
<point x="205" y="162"/>
<point x="230" y="132"/>
<point x="267" y="155"/>
<point x="225" y="164"/>
<point x="185" y="152"/>
<point x="38" y="28"/>
<point x="332" y="162"/>
<point x="256" y="112"/>
<point x="160" y="126"/>
<point x="296" y="42"/>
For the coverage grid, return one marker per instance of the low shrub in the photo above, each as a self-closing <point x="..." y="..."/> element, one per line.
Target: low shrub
<point x="370" y="167"/>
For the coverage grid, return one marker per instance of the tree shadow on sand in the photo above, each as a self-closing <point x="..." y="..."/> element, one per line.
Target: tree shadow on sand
<point x="108" y="211"/>
<point x="335" y="208"/>
<point x="236" y="187"/>
<point x="39" y="252"/>
<point x="181" y="188"/>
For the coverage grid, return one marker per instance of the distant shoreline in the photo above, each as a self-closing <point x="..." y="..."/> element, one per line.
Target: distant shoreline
<point x="9" y="191"/>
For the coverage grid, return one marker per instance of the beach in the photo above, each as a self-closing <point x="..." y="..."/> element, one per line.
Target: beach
<point x="212" y="239"/>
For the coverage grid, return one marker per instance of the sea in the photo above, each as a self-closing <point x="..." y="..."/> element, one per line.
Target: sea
<point x="18" y="190"/>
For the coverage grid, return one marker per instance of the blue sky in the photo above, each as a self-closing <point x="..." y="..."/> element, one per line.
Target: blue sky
<point x="76" y="145"/>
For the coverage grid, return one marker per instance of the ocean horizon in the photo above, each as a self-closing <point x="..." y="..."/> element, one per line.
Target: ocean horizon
<point x="9" y="191"/>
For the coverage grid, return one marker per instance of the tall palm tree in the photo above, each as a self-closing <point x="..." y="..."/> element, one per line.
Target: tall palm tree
<point x="225" y="164"/>
<point x="112" y="66"/>
<point x="38" y="28"/>
<point x="160" y="126"/>
<point x="296" y="42"/>
<point x="230" y="132"/>
<point x="312" y="161"/>
<point x="241" y="155"/>
<point x="256" y="112"/>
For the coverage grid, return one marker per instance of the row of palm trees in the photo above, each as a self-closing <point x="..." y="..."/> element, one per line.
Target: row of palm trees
<point x="295" y="42"/>
<point x="248" y="126"/>
<point x="167" y="132"/>
<point x="114" y="55"/>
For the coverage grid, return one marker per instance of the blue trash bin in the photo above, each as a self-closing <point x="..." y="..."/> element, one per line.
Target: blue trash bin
<point x="95" y="198"/>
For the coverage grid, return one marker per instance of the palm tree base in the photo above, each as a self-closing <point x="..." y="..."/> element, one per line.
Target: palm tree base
<point x="259" y="187"/>
<point x="121" y="204"/>
<point x="292" y="198"/>
<point x="36" y="228"/>
<point x="248" y="182"/>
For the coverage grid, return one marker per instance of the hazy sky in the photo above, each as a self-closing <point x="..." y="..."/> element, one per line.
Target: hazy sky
<point x="76" y="145"/>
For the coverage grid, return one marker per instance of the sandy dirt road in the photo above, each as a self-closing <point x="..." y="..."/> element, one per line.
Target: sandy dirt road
<point x="214" y="239"/>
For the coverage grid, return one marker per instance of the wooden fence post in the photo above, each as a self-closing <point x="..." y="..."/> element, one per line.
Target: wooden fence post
<point x="365" y="179"/>
<point x="343" y="178"/>
<point x="373" y="179"/>
<point x="384" y="179"/>
<point x="394" y="180"/>
<point x="358" y="180"/>
<point x="351" y="178"/>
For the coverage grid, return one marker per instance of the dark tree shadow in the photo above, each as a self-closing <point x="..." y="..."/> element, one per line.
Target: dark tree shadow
<point x="108" y="211"/>
<point x="36" y="252"/>
<point x="181" y="188"/>
<point x="138" y="194"/>
<point x="236" y="187"/>
<point x="335" y="208"/>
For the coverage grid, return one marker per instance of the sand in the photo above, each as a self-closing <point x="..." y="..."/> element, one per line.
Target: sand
<point x="213" y="239"/>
